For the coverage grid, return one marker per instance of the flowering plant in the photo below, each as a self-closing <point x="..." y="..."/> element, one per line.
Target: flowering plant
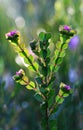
<point x="45" y="68"/>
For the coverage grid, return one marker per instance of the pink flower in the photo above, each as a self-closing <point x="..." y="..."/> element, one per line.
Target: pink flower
<point x="12" y="33"/>
<point x="67" y="28"/>
<point x="20" y="72"/>
<point x="67" y="87"/>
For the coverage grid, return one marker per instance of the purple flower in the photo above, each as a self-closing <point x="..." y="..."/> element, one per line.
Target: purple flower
<point x="67" y="28"/>
<point x="74" y="42"/>
<point x="12" y="33"/>
<point x="67" y="87"/>
<point x="20" y="72"/>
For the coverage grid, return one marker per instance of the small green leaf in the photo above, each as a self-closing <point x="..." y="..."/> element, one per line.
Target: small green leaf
<point x="31" y="85"/>
<point x="47" y="60"/>
<point x="44" y="36"/>
<point x="48" y="36"/>
<point x="51" y="96"/>
<point x="53" y="124"/>
<point x="44" y="71"/>
<point x="38" y="97"/>
<point x="56" y="54"/>
<point x="31" y="68"/>
<point x="62" y="54"/>
<point x="56" y="68"/>
<point x="31" y="58"/>
<point x="26" y="61"/>
<point x="41" y="35"/>
<point x="65" y="46"/>
<point x="59" y="61"/>
<point x="38" y="80"/>
<point x="24" y="80"/>
<point x="58" y="45"/>
<point x="36" y="65"/>
<point x="48" y="52"/>
<point x="59" y="99"/>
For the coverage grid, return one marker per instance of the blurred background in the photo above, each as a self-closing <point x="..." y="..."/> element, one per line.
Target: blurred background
<point x="18" y="108"/>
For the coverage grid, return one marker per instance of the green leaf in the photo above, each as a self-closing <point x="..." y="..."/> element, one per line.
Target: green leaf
<point x="62" y="84"/>
<point x="56" y="68"/>
<point x="31" y="85"/>
<point x="59" y="99"/>
<point x="43" y="53"/>
<point x="36" y="65"/>
<point x="31" y="58"/>
<point x="65" y="46"/>
<point x="44" y="36"/>
<point x="61" y="39"/>
<point x="58" y="45"/>
<point x="16" y="78"/>
<point x="42" y="90"/>
<point x="24" y="80"/>
<point x="26" y="61"/>
<point x="44" y="70"/>
<point x="38" y="80"/>
<point x="59" y="61"/>
<point x="50" y="97"/>
<point x="41" y="35"/>
<point x="53" y="124"/>
<point x="48" y="36"/>
<point x="16" y="48"/>
<point x="56" y="54"/>
<point x="62" y="54"/>
<point x="38" y="97"/>
<point x="47" y="60"/>
<point x="48" y="52"/>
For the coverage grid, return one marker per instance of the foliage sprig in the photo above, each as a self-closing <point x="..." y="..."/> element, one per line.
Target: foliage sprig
<point x="45" y="68"/>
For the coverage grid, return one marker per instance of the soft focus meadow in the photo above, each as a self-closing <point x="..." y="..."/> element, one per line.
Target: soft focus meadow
<point x="18" y="108"/>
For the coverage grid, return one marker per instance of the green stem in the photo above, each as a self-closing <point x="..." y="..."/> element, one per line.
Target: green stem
<point x="25" y="55"/>
<point x="55" y="104"/>
<point x="47" y="117"/>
